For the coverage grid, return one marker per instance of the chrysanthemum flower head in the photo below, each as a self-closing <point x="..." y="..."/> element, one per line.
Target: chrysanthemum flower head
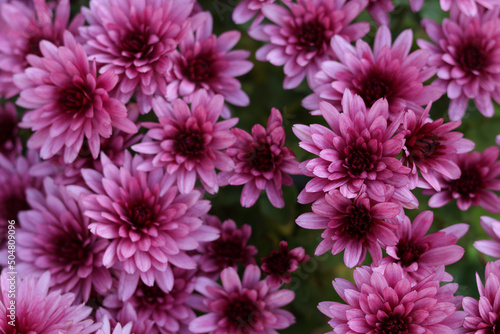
<point x="387" y="71"/>
<point x="466" y="53"/>
<point x="68" y="103"/>
<point x="278" y="265"/>
<point x="354" y="225"/>
<point x="299" y="36"/>
<point x="134" y="39"/>
<point x="189" y="141"/>
<point x="357" y="152"/>
<point x="388" y="301"/>
<point x="150" y="225"/>
<point x="261" y="162"/>
<point x="245" y="305"/>
<point x="205" y="61"/>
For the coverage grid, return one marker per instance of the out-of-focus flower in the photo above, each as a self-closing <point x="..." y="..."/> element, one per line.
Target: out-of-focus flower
<point x="378" y="9"/>
<point x="245" y="305"/>
<point x="67" y="102"/>
<point x="419" y="254"/>
<point x="467" y="7"/>
<point x="278" y="265"/>
<point x="189" y="141"/>
<point x="261" y="162"/>
<point x="357" y="153"/>
<point x="205" y="61"/>
<point x="388" y="71"/>
<point x="388" y="302"/>
<point x="134" y="40"/>
<point x="490" y="247"/>
<point x="299" y="37"/>
<point x="467" y="55"/>
<point x="354" y="225"/>
<point x="480" y="176"/>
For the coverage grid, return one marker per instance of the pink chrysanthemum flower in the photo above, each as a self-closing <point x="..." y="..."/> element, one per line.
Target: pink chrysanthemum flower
<point x="261" y="162"/>
<point x="150" y="225"/>
<point x="388" y="71"/>
<point x="278" y="265"/>
<point x="68" y="102"/>
<point x="299" y="37"/>
<point x="467" y="7"/>
<point x="22" y="28"/>
<point x="389" y="302"/>
<point x="10" y="144"/>
<point x="117" y="329"/>
<point x="480" y="176"/>
<point x="466" y="53"/>
<point x="189" y="141"/>
<point x="247" y="306"/>
<point x="419" y="254"/>
<point x="205" y="61"/>
<point x="229" y="249"/>
<point x="38" y="311"/>
<point x="428" y="145"/>
<point x="54" y="236"/>
<point x="482" y="316"/>
<point x="354" y="225"/>
<point x="134" y="39"/>
<point x="358" y="151"/>
<point x="490" y="247"/>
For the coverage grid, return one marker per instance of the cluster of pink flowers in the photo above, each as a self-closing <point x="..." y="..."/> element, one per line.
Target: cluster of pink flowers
<point x="118" y="128"/>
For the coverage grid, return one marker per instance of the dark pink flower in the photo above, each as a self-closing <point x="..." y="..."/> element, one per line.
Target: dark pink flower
<point x="480" y="176"/>
<point x="245" y="305"/>
<point x="39" y="311"/>
<point x="389" y="302"/>
<point x="68" y="102"/>
<point x="354" y="225"/>
<point x="261" y="162"/>
<point x="482" y="316"/>
<point x="490" y="247"/>
<point x="10" y="143"/>
<point x="278" y="265"/>
<point x="466" y="53"/>
<point x="229" y="249"/>
<point x="189" y="141"/>
<point x="134" y="40"/>
<point x="419" y="254"/>
<point x="205" y="61"/>
<point x="299" y="37"/>
<point x="428" y="145"/>
<point x="151" y="226"/>
<point x="388" y="71"/>
<point x="358" y="152"/>
<point x="22" y="28"/>
<point x="54" y="236"/>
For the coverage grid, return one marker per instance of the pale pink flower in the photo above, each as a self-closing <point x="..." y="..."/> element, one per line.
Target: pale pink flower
<point x="387" y="71"/>
<point x="299" y="37"/>
<point x="39" y="311"/>
<point x="428" y="145"/>
<point x="246" y="305"/>
<point x="466" y="53"/>
<point x="67" y="102"/>
<point x="278" y="265"/>
<point x="358" y="152"/>
<point x="134" y="39"/>
<point x="482" y="316"/>
<point x="261" y="162"/>
<point x="205" y="61"/>
<point x="490" y="247"/>
<point x="151" y="226"/>
<point x="419" y="254"/>
<point x="22" y="28"/>
<point x="54" y="237"/>
<point x="353" y="225"/>
<point x="480" y="176"/>
<point x="189" y="141"/>
<point x="389" y="302"/>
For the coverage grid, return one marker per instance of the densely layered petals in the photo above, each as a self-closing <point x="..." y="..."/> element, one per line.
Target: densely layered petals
<point x="278" y="265"/>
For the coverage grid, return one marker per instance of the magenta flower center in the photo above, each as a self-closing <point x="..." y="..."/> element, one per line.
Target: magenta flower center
<point x="200" y="69"/>
<point x="359" y="222"/>
<point x="472" y="57"/>
<point x="392" y="325"/>
<point x="190" y="143"/>
<point x="75" y="99"/>
<point x="72" y="248"/>
<point x="277" y="263"/>
<point x="140" y="215"/>
<point x="358" y="160"/>
<point x="423" y="146"/>
<point x="261" y="157"/>
<point x="373" y="88"/>
<point x="468" y="184"/>
<point x="241" y="312"/>
<point x="409" y="252"/>
<point x="227" y="252"/>
<point x="150" y="296"/>
<point x="312" y="36"/>
<point x="135" y="44"/>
